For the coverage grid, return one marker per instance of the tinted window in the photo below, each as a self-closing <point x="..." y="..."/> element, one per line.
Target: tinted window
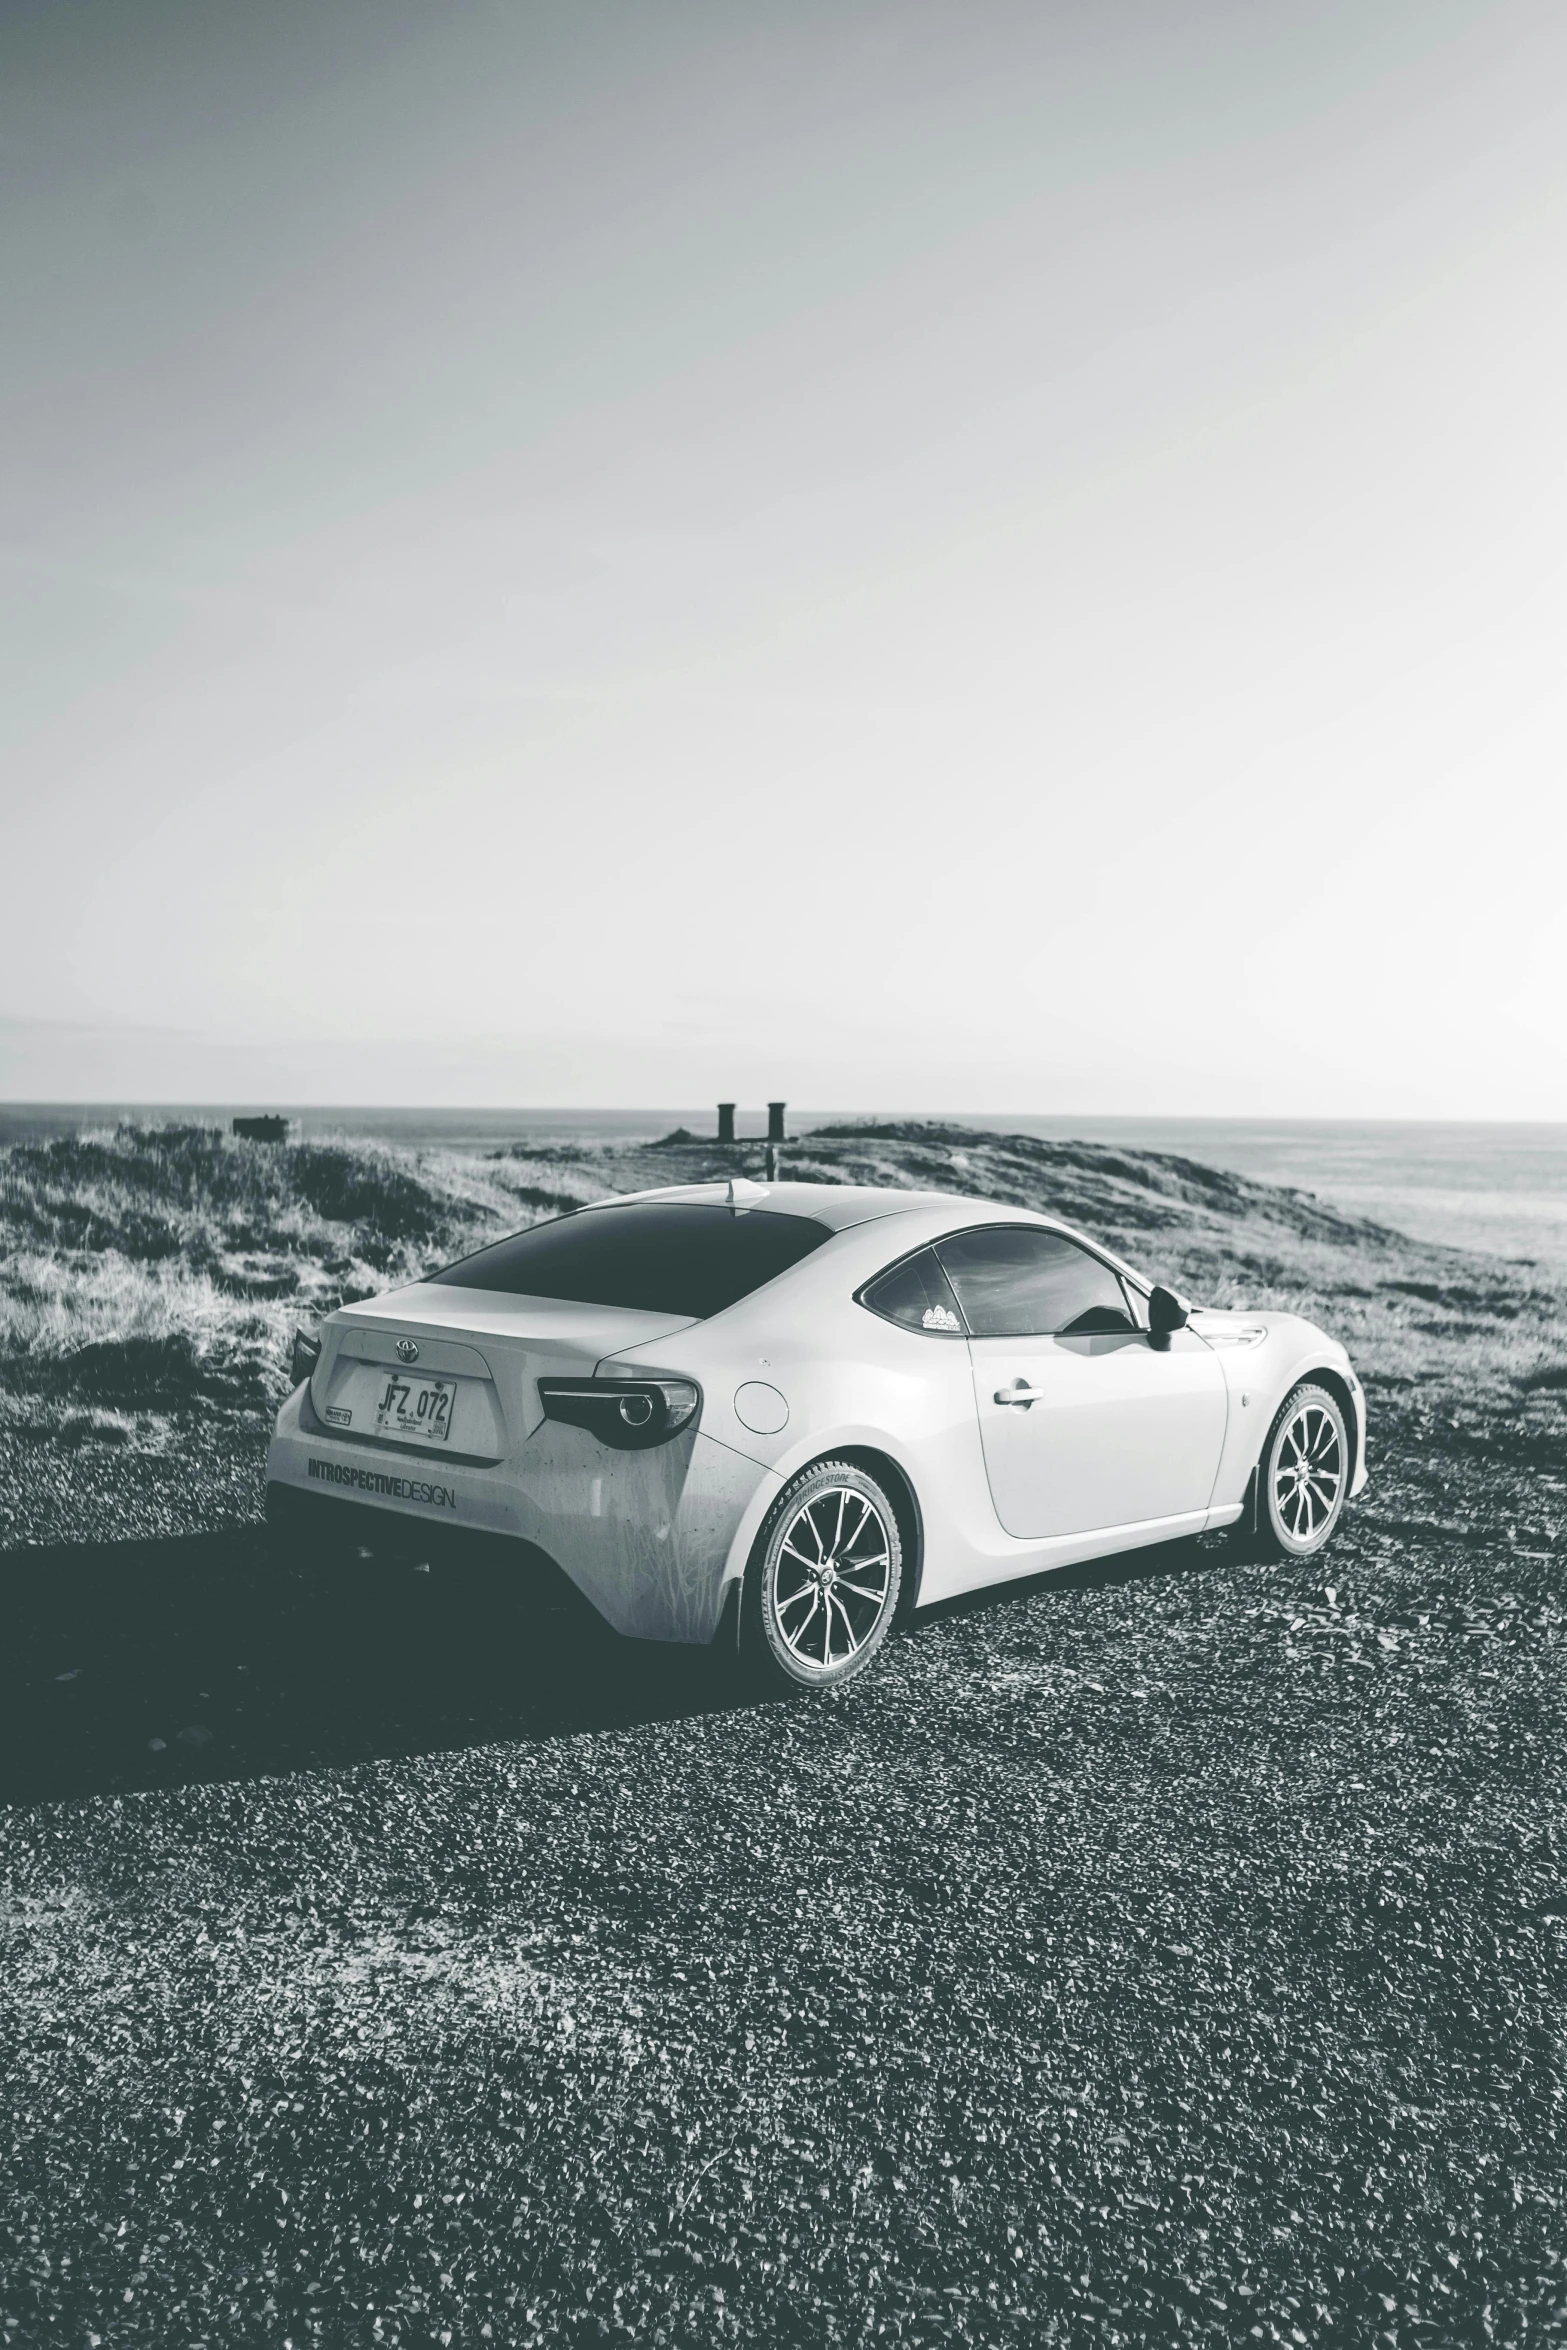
<point x="676" y="1258"/>
<point x="917" y="1294"/>
<point x="1017" y="1283"/>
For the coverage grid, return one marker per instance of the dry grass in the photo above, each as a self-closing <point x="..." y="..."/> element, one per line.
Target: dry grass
<point x="152" y="1267"/>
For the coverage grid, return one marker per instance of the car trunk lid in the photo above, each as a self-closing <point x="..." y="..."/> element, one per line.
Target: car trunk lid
<point x="469" y="1362"/>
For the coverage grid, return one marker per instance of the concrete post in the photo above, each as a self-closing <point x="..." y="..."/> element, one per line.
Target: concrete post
<point x="726" y="1121"/>
<point x="775" y="1115"/>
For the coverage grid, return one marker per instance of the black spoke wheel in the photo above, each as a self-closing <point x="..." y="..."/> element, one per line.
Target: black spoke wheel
<point x="822" y="1587"/>
<point x="1303" y="1473"/>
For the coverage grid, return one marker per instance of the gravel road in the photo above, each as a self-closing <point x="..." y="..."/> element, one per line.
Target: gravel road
<point x="1170" y="1948"/>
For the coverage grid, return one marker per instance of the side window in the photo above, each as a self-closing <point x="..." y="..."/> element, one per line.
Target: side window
<point x="1016" y="1282"/>
<point x="918" y="1295"/>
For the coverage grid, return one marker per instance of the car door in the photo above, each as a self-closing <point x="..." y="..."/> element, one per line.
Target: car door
<point x="1087" y="1422"/>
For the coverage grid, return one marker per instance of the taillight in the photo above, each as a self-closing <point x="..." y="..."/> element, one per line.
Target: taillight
<point x="303" y="1360"/>
<point x="629" y="1414"/>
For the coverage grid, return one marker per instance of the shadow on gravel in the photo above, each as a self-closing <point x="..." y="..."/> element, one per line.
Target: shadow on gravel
<point x="240" y="1664"/>
<point x="156" y="1664"/>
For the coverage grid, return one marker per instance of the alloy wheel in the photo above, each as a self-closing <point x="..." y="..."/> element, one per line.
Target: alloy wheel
<point x="1308" y="1473"/>
<point x="832" y="1578"/>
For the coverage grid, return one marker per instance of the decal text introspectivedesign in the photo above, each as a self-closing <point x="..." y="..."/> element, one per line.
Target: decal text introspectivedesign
<point x="436" y="1497"/>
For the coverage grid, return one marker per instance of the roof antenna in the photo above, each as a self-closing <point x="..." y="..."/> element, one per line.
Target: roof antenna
<point x="743" y="1193"/>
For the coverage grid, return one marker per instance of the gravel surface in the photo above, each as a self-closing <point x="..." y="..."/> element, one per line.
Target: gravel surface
<point x="1173" y="1950"/>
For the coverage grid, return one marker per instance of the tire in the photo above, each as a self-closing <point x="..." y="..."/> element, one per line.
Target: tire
<point x="824" y="1580"/>
<point x="1303" y="1475"/>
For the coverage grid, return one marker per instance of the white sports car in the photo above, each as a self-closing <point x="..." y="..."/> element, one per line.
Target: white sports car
<point x="792" y="1412"/>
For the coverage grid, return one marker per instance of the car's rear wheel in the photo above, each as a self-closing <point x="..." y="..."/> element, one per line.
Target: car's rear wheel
<point x="1303" y="1474"/>
<point x="822" y="1587"/>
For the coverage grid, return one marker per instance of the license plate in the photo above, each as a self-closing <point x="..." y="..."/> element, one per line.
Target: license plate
<point x="409" y="1405"/>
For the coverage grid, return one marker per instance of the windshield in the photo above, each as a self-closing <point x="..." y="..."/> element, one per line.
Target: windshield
<point x="675" y="1257"/>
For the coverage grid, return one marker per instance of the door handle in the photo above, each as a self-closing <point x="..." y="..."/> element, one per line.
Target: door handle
<point x="1022" y="1393"/>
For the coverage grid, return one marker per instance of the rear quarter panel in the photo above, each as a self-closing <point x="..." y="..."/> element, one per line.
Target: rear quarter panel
<point x="852" y="1381"/>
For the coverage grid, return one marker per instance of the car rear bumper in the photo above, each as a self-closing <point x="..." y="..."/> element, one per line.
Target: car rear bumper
<point x="324" y="1522"/>
<point x="651" y="1539"/>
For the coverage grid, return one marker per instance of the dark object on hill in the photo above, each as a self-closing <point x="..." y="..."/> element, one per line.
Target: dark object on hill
<point x="261" y="1129"/>
<point x="726" y="1124"/>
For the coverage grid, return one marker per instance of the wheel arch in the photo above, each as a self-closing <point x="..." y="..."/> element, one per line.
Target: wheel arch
<point x="747" y="1600"/>
<point x="904" y="1499"/>
<point x="890" y="1472"/>
<point x="1304" y="1375"/>
<point x="1325" y="1375"/>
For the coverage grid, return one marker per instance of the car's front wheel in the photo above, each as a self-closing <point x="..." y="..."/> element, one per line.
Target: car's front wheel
<point x="822" y="1587"/>
<point x="1303" y="1474"/>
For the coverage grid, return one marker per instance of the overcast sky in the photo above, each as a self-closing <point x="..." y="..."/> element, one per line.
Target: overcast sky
<point x="989" y="557"/>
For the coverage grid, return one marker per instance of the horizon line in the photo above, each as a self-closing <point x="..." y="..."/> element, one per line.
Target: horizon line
<point x="252" y="1105"/>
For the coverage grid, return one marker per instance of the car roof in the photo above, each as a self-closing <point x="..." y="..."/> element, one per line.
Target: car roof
<point x="843" y="1206"/>
<point x="837" y="1205"/>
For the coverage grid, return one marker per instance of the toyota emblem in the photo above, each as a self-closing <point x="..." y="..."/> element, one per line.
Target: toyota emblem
<point x="407" y="1350"/>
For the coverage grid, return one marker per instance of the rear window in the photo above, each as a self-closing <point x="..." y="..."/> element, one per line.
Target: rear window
<point x="682" y="1257"/>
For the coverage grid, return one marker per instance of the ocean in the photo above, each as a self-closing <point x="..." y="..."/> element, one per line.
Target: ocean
<point x="1497" y="1188"/>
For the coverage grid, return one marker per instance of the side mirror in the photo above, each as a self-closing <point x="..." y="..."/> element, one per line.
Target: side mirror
<point x="1165" y="1313"/>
